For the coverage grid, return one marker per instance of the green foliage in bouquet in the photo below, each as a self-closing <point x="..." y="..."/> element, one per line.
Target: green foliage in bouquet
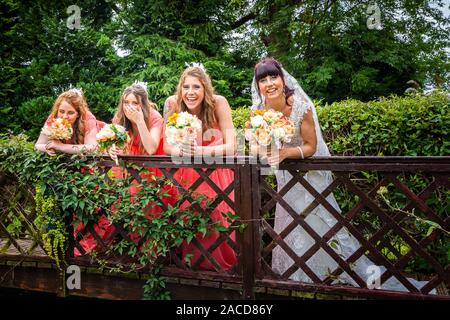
<point x="112" y="135"/>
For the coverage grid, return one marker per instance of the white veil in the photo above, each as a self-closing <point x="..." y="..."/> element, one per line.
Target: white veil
<point x="300" y="97"/>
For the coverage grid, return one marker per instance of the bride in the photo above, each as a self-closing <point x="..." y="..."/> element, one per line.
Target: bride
<point x="274" y="88"/>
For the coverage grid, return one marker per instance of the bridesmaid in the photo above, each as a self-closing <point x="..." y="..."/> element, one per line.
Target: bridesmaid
<point x="71" y="105"/>
<point x="138" y="115"/>
<point x="141" y="120"/>
<point x="195" y="94"/>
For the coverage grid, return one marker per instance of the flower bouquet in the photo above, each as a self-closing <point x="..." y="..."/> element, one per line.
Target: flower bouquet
<point x="112" y="135"/>
<point x="182" y="128"/>
<point x="58" y="129"/>
<point x="266" y="126"/>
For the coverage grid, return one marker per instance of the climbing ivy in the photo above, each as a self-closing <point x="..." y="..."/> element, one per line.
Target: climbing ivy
<point x="50" y="224"/>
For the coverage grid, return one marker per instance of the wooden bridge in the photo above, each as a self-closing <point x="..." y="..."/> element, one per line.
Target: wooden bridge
<point x="410" y="241"/>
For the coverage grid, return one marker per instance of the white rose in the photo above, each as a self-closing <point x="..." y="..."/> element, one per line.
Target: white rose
<point x="278" y="133"/>
<point x="257" y="121"/>
<point x="105" y="133"/>
<point x="196" y="124"/>
<point x="181" y="121"/>
<point x="173" y="135"/>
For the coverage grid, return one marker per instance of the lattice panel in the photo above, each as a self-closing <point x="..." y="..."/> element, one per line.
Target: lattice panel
<point x="18" y="233"/>
<point x="386" y="214"/>
<point x="224" y="197"/>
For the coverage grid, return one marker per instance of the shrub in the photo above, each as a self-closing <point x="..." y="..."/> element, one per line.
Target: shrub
<point x="34" y="113"/>
<point x="394" y="126"/>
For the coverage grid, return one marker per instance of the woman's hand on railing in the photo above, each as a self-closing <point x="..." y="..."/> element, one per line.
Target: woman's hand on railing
<point x="51" y="147"/>
<point x="113" y="152"/>
<point x="189" y="149"/>
<point x="269" y="155"/>
<point x="276" y="157"/>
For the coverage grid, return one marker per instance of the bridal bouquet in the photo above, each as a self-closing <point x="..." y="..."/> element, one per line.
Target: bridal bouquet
<point x="58" y="129"/>
<point x="266" y="126"/>
<point x="112" y="135"/>
<point x="182" y="128"/>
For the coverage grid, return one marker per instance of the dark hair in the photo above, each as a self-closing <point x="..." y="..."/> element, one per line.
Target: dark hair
<point x="271" y="67"/>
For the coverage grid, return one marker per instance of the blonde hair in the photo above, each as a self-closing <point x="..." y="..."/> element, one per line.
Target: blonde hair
<point x="78" y="102"/>
<point x="146" y="105"/>
<point x="208" y="104"/>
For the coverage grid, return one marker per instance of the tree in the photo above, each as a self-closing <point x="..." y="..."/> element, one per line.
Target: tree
<point x="332" y="47"/>
<point x="336" y="51"/>
<point x="46" y="57"/>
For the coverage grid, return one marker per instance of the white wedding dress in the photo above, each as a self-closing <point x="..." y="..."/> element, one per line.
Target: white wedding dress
<point x="320" y="220"/>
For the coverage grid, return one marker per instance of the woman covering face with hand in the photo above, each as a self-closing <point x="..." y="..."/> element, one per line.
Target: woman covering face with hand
<point x="143" y="123"/>
<point x="141" y="120"/>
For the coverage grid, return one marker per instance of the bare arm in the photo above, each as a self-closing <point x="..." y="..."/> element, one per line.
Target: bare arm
<point x="226" y="126"/>
<point x="150" y="137"/>
<point x="169" y="105"/>
<point x="41" y="145"/>
<point x="51" y="146"/>
<point x="308" y="135"/>
<point x="90" y="144"/>
<point x="227" y="132"/>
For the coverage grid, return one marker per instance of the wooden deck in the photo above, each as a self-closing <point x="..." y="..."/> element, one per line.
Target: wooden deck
<point x="27" y="245"/>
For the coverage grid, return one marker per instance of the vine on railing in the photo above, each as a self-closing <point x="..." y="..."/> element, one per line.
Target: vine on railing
<point x="154" y="219"/>
<point x="50" y="224"/>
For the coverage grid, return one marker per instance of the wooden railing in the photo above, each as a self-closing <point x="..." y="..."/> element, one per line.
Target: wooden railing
<point x="395" y="207"/>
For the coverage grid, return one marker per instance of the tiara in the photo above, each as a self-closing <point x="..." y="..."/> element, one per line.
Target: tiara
<point x="141" y="84"/>
<point x="196" y="65"/>
<point x="77" y="91"/>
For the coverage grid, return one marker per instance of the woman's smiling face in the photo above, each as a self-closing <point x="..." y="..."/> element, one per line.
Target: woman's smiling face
<point x="271" y="87"/>
<point x="193" y="93"/>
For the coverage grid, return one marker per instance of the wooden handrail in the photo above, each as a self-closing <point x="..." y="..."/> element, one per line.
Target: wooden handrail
<point x="249" y="203"/>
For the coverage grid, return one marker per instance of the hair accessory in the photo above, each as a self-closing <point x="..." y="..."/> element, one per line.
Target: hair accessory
<point x="77" y="91"/>
<point x="141" y="84"/>
<point x="196" y="65"/>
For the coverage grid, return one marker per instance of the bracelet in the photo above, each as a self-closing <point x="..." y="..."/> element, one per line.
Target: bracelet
<point x="301" y="152"/>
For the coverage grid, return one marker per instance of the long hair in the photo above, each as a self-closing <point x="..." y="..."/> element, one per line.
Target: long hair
<point x="78" y="102"/>
<point x="271" y="67"/>
<point x="208" y="104"/>
<point x="146" y="105"/>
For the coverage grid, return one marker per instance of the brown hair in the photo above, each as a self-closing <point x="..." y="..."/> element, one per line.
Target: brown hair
<point x="208" y="104"/>
<point x="146" y="105"/>
<point x="78" y="102"/>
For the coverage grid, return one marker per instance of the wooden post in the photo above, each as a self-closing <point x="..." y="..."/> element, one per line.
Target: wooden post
<point x="245" y="205"/>
<point x="256" y="216"/>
